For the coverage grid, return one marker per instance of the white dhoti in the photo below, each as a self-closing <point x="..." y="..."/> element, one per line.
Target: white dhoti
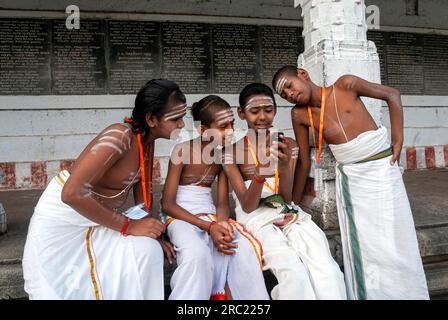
<point x="298" y="254"/>
<point x="380" y="248"/>
<point x="201" y="271"/>
<point x="67" y="256"/>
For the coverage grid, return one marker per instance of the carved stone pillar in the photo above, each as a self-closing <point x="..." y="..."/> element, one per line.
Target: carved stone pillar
<point x="335" y="34"/>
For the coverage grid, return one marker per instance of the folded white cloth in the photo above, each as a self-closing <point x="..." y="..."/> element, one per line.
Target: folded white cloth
<point x="379" y="242"/>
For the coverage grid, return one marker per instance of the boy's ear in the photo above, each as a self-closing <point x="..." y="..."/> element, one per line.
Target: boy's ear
<point x="201" y="129"/>
<point x="151" y="120"/>
<point x="241" y="114"/>
<point x="302" y="73"/>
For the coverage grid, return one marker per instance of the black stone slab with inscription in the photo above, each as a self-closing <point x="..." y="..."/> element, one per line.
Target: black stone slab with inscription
<point x="435" y="53"/>
<point x="378" y="38"/>
<point x="25" y="57"/>
<point x="133" y="55"/>
<point x="279" y="46"/>
<point x="186" y="55"/>
<point x="404" y="55"/>
<point x="79" y="62"/>
<point x="235" y="57"/>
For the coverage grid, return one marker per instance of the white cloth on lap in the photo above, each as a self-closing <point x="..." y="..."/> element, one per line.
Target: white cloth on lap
<point x="297" y="254"/>
<point x="67" y="256"/>
<point x="201" y="270"/>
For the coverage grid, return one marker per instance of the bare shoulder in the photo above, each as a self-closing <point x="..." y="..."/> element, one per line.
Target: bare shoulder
<point x="117" y="136"/>
<point x="297" y="114"/>
<point x="119" y="128"/>
<point x="346" y="82"/>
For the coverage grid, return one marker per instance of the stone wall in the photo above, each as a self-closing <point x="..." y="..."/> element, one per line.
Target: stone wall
<point x="41" y="134"/>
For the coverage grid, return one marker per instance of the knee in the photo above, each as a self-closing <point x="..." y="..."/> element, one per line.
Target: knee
<point x="198" y="254"/>
<point x="147" y="248"/>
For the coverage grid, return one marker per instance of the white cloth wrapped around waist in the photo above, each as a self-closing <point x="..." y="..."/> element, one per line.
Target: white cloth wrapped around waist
<point x="195" y="199"/>
<point x="51" y="207"/>
<point x="263" y="216"/>
<point x="67" y="256"/>
<point x="362" y="147"/>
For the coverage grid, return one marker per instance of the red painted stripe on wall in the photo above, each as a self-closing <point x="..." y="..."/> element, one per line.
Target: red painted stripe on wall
<point x="7" y="175"/>
<point x="39" y="174"/>
<point x="411" y="158"/>
<point x="430" y="157"/>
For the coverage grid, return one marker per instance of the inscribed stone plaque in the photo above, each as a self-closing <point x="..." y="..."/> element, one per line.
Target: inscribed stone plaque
<point x="79" y="64"/>
<point x="133" y="55"/>
<point x="436" y="64"/>
<point x="378" y="38"/>
<point x="279" y="46"/>
<point x="186" y="55"/>
<point x="404" y="55"/>
<point x="235" y="57"/>
<point x="25" y="57"/>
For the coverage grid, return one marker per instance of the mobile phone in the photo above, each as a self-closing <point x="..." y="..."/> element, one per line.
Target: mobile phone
<point x="277" y="136"/>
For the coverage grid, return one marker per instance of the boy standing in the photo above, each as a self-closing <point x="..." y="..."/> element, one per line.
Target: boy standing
<point x="380" y="248"/>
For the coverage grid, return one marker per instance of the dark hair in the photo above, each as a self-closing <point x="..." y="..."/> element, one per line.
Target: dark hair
<point x="204" y="109"/>
<point x="289" y="70"/>
<point x="153" y="98"/>
<point x="254" y="89"/>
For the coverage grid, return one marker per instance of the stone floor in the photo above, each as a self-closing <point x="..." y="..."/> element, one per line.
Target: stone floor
<point x="427" y="191"/>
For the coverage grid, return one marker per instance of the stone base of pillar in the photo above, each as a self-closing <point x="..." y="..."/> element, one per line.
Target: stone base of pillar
<point x="319" y="199"/>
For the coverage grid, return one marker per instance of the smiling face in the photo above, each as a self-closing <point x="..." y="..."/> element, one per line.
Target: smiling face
<point x="169" y="124"/>
<point x="259" y="112"/>
<point x="296" y="89"/>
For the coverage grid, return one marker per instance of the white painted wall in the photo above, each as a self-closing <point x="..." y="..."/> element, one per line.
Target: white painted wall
<point x="423" y="126"/>
<point x="48" y="128"/>
<point x="58" y="127"/>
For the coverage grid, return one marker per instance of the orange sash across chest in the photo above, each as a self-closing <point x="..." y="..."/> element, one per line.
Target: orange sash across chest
<point x="318" y="153"/>
<point x="254" y="156"/>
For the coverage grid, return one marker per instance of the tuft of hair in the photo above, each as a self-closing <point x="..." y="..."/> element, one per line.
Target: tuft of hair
<point x="153" y="98"/>
<point x="205" y="109"/>
<point x="254" y="89"/>
<point x="288" y="70"/>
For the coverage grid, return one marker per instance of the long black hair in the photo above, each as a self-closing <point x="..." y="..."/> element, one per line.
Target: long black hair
<point x="153" y="98"/>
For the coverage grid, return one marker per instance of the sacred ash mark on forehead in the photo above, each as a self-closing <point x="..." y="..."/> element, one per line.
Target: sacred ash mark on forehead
<point x="259" y="101"/>
<point x="224" y="116"/>
<point x="280" y="85"/>
<point x="176" y="112"/>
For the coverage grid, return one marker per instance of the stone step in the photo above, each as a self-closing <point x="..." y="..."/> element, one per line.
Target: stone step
<point x="437" y="278"/>
<point x="426" y="191"/>
<point x="11" y="278"/>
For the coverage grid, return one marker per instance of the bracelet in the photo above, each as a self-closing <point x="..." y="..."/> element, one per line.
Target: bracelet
<point x="124" y="229"/>
<point x="258" y="180"/>
<point x="210" y="226"/>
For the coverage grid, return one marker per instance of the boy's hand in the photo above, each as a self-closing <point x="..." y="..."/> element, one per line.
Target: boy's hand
<point x="148" y="227"/>
<point x="168" y="249"/>
<point x="282" y="152"/>
<point x="222" y="239"/>
<point x="396" y="147"/>
<point x="229" y="228"/>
